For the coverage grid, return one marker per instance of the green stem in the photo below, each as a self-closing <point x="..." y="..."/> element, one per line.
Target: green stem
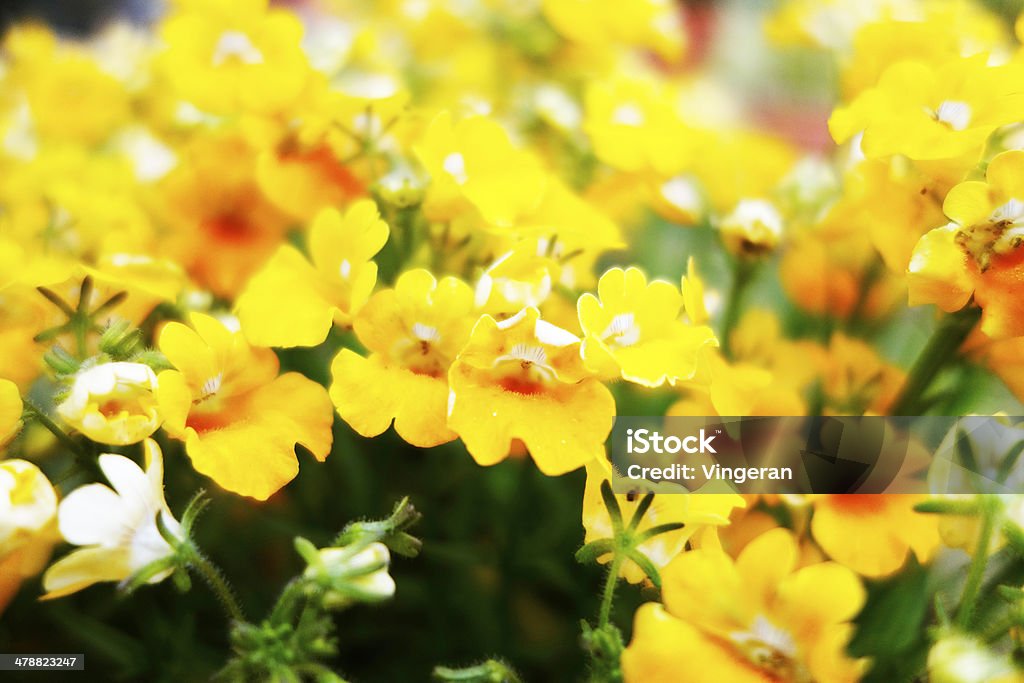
<point x="285" y="606"/>
<point x="215" y="580"/>
<point x="609" y="590"/>
<point x="742" y="272"/>
<point x="976" y="573"/>
<point x="941" y="348"/>
<point x="42" y="418"/>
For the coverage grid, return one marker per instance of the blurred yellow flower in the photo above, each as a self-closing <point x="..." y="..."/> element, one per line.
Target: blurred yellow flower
<point x="522" y="378"/>
<point x="227" y="56"/>
<point x="473" y="163"/>
<point x="927" y="113"/>
<point x="634" y="125"/>
<point x="294" y="301"/>
<point x="413" y="333"/>
<point x="118" y="526"/>
<point x="654" y="24"/>
<point x="70" y="98"/>
<point x="754" y="619"/>
<point x="632" y="328"/>
<point x="240" y="421"/>
<point x="212" y="198"/>
<point x="113" y="403"/>
<point x="856" y="380"/>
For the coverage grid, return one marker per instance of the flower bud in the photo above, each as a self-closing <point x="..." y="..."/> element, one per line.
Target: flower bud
<point x="401" y="189"/>
<point x="961" y="659"/>
<point x="113" y="403"/>
<point x="352" y="574"/>
<point x="753" y="228"/>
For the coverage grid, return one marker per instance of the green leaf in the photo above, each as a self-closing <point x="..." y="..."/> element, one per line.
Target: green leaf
<point x="893" y="620"/>
<point x="590" y="553"/>
<point x="614" y="513"/>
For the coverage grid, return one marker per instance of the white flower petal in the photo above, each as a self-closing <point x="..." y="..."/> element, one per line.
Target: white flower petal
<point x="130" y="482"/>
<point x="92" y="515"/>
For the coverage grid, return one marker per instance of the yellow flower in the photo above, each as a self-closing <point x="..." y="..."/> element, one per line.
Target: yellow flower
<point x="118" y="526"/>
<point x="633" y="328"/>
<point x="655" y="24"/>
<point x="892" y="201"/>
<point x="873" y="534"/>
<point x="943" y="30"/>
<point x="523" y="276"/>
<point x="856" y="379"/>
<point x="741" y="388"/>
<point x="413" y="333"/>
<point x="227" y="56"/>
<point x="28" y="513"/>
<point x="302" y="180"/>
<point x="70" y="98"/>
<point x="754" y="619"/>
<point x="979" y="252"/>
<point x="522" y="378"/>
<point x="833" y="274"/>
<point x="930" y="114"/>
<point x="472" y="163"/>
<point x="113" y="403"/>
<point x="239" y="420"/>
<point x="10" y="411"/>
<point x="699" y="512"/>
<point x="213" y="199"/>
<point x="634" y="125"/>
<point x="735" y="164"/>
<point x="293" y="302"/>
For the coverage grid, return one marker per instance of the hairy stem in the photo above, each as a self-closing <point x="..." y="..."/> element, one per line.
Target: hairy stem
<point x="976" y="573"/>
<point x="609" y="590"/>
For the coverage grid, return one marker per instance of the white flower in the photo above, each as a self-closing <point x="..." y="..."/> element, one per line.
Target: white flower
<point x="117" y="527"/>
<point x="113" y="403"/>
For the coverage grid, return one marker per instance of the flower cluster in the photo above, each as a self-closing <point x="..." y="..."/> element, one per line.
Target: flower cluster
<point x="500" y="226"/>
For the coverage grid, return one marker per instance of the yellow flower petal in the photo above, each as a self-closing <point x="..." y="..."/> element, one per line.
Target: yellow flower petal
<point x="251" y="449"/>
<point x="285" y="304"/>
<point x="563" y="425"/>
<point x="666" y="650"/>
<point x="83" y="568"/>
<point x="968" y="203"/>
<point x="1005" y="175"/>
<point x="938" y="271"/>
<point x="370" y="393"/>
